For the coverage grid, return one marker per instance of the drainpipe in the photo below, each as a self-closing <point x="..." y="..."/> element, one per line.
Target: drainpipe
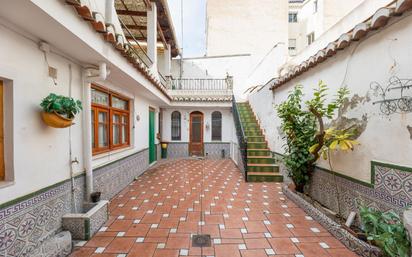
<point x="90" y="75"/>
<point x="109" y="11"/>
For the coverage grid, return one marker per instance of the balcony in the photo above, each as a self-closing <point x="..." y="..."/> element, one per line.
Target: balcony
<point x="200" y="90"/>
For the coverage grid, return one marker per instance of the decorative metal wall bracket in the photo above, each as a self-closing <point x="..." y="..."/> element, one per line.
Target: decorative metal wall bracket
<point x="394" y="99"/>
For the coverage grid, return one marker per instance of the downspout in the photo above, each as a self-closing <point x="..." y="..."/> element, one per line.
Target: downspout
<point x="90" y="75"/>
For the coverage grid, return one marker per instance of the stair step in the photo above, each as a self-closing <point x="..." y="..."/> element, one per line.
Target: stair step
<point x="255" y="160"/>
<point x="256" y="138"/>
<point x="264" y="177"/>
<point x="260" y="167"/>
<point x="257" y="145"/>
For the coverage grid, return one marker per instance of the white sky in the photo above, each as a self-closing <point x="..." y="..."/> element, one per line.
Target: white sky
<point x="194" y="27"/>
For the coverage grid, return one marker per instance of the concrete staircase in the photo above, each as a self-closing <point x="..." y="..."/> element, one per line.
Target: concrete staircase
<point x="261" y="165"/>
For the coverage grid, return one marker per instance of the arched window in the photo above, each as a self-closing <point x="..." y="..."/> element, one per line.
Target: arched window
<point x="176" y="125"/>
<point x="216" y="126"/>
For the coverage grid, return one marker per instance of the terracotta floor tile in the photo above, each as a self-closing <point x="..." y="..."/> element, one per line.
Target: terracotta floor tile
<point x="99" y="241"/>
<point x="83" y="252"/>
<point x="142" y="250"/>
<point x="174" y="199"/>
<point x="120" y="245"/>
<point x="187" y="227"/>
<point x="255" y="226"/>
<point x="277" y="230"/>
<point x="166" y="253"/>
<point x="253" y="253"/>
<point x="214" y="219"/>
<point x="158" y="232"/>
<point x="227" y="250"/>
<point x="138" y="230"/>
<point x="312" y="250"/>
<point x="120" y="225"/>
<point x="104" y="255"/>
<point x="230" y="233"/>
<point x="283" y="246"/>
<point x="257" y="243"/>
<point x="178" y="242"/>
<point x="302" y="232"/>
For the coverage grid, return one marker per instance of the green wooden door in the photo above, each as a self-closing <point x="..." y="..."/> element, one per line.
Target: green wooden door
<point x="152" y="145"/>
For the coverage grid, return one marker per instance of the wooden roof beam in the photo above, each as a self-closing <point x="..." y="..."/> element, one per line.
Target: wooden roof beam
<point x="162" y="36"/>
<point x="138" y="27"/>
<point x="131" y="13"/>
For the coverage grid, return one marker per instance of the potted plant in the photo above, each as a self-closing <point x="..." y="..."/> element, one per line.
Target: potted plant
<point x="59" y="111"/>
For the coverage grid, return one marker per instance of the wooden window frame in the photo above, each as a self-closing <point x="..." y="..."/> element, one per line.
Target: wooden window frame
<point x="111" y="111"/>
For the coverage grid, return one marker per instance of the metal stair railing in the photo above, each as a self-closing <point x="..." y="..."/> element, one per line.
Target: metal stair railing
<point x="241" y="137"/>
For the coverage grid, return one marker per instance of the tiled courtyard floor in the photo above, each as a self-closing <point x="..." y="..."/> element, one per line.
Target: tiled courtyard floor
<point x="157" y="214"/>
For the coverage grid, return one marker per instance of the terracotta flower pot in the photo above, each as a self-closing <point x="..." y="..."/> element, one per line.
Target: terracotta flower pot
<point x="55" y="120"/>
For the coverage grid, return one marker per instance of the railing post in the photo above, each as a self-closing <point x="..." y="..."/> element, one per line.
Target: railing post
<point x="242" y="139"/>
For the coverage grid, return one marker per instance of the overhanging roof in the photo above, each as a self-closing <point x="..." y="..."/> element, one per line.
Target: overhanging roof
<point x="133" y="14"/>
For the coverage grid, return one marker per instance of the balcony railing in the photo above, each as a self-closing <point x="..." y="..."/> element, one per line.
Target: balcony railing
<point x="200" y="87"/>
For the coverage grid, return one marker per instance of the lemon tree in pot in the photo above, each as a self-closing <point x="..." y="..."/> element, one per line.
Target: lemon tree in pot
<point x="59" y="111"/>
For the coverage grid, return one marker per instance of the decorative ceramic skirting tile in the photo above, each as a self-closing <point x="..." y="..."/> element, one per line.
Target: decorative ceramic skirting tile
<point x="330" y="190"/>
<point x="351" y="242"/>
<point x="115" y="176"/>
<point x="177" y="150"/>
<point x="390" y="188"/>
<point x="26" y="224"/>
<point x="214" y="150"/>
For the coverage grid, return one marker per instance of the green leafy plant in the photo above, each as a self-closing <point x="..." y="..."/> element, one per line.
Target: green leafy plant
<point x="385" y="230"/>
<point x="331" y="138"/>
<point x="299" y="127"/>
<point x="63" y="105"/>
<point x="306" y="136"/>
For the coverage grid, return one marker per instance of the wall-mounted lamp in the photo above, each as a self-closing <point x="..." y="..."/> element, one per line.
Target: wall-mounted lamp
<point x="138" y="117"/>
<point x="207" y="125"/>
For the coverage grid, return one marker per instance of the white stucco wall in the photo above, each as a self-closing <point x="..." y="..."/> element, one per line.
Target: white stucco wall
<point x="239" y="27"/>
<point x="227" y="123"/>
<point x="37" y="155"/>
<point x="328" y="14"/>
<point x="379" y="57"/>
<point x="332" y="32"/>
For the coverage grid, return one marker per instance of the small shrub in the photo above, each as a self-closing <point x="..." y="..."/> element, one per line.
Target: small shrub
<point x="385" y="230"/>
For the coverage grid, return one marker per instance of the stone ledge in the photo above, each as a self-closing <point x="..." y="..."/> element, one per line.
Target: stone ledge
<point x="83" y="226"/>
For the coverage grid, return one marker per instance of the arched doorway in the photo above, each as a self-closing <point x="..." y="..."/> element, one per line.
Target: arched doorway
<point x="196" y="134"/>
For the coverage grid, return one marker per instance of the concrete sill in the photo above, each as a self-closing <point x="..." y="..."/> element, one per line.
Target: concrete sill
<point x="5" y="184"/>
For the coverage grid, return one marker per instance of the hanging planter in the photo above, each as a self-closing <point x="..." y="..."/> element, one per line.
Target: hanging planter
<point x="59" y="111"/>
<point x="55" y="120"/>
